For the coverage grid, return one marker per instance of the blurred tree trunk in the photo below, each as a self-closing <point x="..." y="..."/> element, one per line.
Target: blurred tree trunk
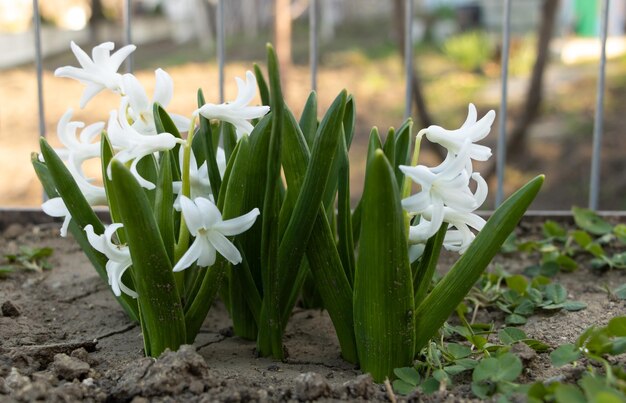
<point x="516" y="140"/>
<point x="282" y="26"/>
<point x="423" y="113"/>
<point x="97" y="18"/>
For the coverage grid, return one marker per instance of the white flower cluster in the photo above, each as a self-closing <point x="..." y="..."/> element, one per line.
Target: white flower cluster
<point x="133" y="135"/>
<point x="445" y="194"/>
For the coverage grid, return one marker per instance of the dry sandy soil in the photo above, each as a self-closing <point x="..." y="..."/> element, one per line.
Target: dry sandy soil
<point x="66" y="339"/>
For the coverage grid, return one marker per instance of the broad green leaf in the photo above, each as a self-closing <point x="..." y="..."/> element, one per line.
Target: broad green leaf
<point x="564" y="354"/>
<point x="408" y="375"/>
<point x="590" y="221"/>
<point x="620" y="232"/>
<point x="552" y="229"/>
<point x="403" y="151"/>
<point x="510" y="335"/>
<point x="536" y="345"/>
<point x="515" y="319"/>
<point x="308" y="120"/>
<point x="270" y="332"/>
<point x="427" y="265"/>
<point x="345" y="242"/>
<point x="163" y="207"/>
<point x="97" y="259"/>
<point x="262" y="84"/>
<point x="574" y="306"/>
<point x="451" y="290"/>
<point x="458" y="350"/>
<point x="402" y="387"/>
<point x="510" y="367"/>
<point x="517" y="283"/>
<point x="158" y="298"/>
<point x="383" y="289"/>
<point x="620" y="292"/>
<point x="569" y="394"/>
<point x="245" y="300"/>
<point x="555" y="293"/>
<point x="617" y="326"/>
<point x="390" y="147"/>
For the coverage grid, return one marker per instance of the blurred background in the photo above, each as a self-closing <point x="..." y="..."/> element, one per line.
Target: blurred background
<point x="457" y="44"/>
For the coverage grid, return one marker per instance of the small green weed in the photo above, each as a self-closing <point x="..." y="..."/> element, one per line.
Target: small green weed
<point x="27" y="258"/>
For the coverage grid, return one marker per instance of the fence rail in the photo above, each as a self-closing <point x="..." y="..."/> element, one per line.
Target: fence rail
<point x="594" y="189"/>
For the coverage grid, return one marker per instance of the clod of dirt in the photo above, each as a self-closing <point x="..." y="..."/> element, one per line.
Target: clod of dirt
<point x="311" y="386"/>
<point x="361" y="387"/>
<point x="13" y="231"/>
<point x="173" y="373"/>
<point x="10" y="310"/>
<point x="69" y="368"/>
<point x="524" y="352"/>
<point x="83" y="355"/>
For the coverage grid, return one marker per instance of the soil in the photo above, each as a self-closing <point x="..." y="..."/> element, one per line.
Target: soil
<point x="64" y="338"/>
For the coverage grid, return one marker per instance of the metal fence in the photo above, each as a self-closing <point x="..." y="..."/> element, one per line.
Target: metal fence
<point x="594" y="189"/>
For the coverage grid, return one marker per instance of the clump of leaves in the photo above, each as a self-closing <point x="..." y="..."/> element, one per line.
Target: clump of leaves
<point x="518" y="296"/>
<point x="594" y="238"/>
<point x="35" y="259"/>
<point x="595" y="345"/>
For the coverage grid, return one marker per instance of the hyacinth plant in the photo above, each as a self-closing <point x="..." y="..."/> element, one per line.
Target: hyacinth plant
<point x="251" y="204"/>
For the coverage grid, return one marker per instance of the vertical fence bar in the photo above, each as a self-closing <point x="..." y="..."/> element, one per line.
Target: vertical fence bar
<point x="127" y="16"/>
<point x="39" y="68"/>
<point x="408" y="57"/>
<point x="594" y="187"/>
<point x="220" y="47"/>
<point x="313" y="43"/>
<point x="501" y="158"/>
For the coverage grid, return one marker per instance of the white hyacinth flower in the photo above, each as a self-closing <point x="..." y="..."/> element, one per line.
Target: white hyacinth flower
<point x="238" y="113"/>
<point x="133" y="146"/>
<point x="472" y="130"/>
<point x="118" y="255"/>
<point x="77" y="148"/>
<point x="97" y="74"/>
<point x="55" y="207"/>
<point x="141" y="108"/>
<point x="205" y="223"/>
<point x="198" y="176"/>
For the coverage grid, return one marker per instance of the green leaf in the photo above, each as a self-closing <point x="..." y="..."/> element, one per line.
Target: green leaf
<point x="408" y="375"/>
<point x="620" y="232"/>
<point x="451" y="290"/>
<point x="308" y="120"/>
<point x="163" y="207"/>
<point x="429" y="386"/>
<point x="620" y="292"/>
<point x="515" y="319"/>
<point x="510" y="367"/>
<point x="574" y="306"/>
<point x="159" y="301"/>
<point x="536" y="345"/>
<point x="564" y="354"/>
<point x="590" y="221"/>
<point x="617" y="326"/>
<point x="270" y="331"/>
<point x="556" y="293"/>
<point x="402" y="387"/>
<point x="383" y="289"/>
<point x="458" y="350"/>
<point x="262" y="84"/>
<point x="552" y="229"/>
<point x="510" y="335"/>
<point x="517" y="283"/>
<point x="568" y="394"/>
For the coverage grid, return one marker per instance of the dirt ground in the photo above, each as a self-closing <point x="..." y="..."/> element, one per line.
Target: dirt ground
<point x="64" y="338"/>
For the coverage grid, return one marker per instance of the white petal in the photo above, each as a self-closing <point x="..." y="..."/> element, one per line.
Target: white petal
<point x="163" y="89"/>
<point x="207" y="252"/>
<point x="209" y="211"/>
<point x="137" y="98"/>
<point x="118" y="57"/>
<point x="237" y="225"/>
<point x="192" y="255"/>
<point x="192" y="215"/>
<point x="224" y="247"/>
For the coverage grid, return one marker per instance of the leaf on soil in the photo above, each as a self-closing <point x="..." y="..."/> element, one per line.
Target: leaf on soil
<point x="564" y="354"/>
